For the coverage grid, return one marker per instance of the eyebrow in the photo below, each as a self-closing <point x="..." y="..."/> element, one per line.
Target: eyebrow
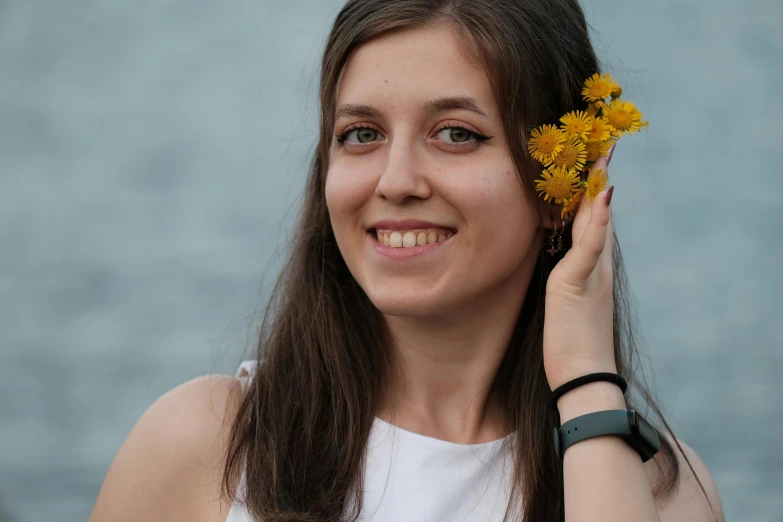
<point x="450" y="104"/>
<point x="430" y="107"/>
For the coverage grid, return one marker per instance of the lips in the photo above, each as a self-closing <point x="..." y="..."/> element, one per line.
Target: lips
<point x="407" y="224"/>
<point x="408" y="239"/>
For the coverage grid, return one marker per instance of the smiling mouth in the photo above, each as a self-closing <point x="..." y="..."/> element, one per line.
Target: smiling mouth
<point x="411" y="238"/>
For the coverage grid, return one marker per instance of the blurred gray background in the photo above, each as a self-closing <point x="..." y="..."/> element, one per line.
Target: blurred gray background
<point x="151" y="159"/>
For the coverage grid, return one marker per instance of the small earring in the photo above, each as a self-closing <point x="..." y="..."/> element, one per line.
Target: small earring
<point x="556" y="235"/>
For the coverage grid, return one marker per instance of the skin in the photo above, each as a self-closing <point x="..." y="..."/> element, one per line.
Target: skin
<point x="450" y="313"/>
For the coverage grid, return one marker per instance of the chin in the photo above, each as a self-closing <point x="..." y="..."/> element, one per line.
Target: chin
<point x="409" y="302"/>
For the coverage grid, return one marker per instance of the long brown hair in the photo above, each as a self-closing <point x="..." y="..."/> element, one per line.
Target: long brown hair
<point x="323" y="352"/>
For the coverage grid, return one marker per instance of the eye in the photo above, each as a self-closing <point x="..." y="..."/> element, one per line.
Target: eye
<point x="455" y="135"/>
<point x="459" y="135"/>
<point x="359" y="136"/>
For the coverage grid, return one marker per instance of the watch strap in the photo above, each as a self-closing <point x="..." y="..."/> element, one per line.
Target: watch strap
<point x="608" y="422"/>
<point x="628" y="424"/>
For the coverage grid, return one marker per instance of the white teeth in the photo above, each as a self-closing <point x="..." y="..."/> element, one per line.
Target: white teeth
<point x="412" y="238"/>
<point x="395" y="240"/>
<point x="409" y="239"/>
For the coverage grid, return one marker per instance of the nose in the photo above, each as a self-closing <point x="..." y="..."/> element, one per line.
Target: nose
<point x="403" y="178"/>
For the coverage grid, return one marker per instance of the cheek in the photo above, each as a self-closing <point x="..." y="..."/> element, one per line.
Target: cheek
<point x="345" y="192"/>
<point x="495" y="204"/>
<point x="501" y="222"/>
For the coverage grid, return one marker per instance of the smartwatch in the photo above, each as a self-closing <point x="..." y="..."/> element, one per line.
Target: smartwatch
<point x="628" y="424"/>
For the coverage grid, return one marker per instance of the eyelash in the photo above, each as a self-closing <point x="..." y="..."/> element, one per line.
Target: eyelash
<point x="478" y="137"/>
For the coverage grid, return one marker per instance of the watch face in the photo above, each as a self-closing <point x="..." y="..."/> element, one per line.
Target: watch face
<point x="646" y="431"/>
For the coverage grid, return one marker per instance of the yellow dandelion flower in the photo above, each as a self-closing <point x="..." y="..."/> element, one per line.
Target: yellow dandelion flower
<point x="596" y="182"/>
<point x="616" y="93"/>
<point x="599" y="87"/>
<point x="577" y="122"/>
<point x="573" y="155"/>
<point x="642" y="124"/>
<point x="597" y="149"/>
<point x="623" y="117"/>
<point x="600" y="131"/>
<point x="594" y="108"/>
<point x="545" y="143"/>
<point x="572" y="203"/>
<point x="557" y="184"/>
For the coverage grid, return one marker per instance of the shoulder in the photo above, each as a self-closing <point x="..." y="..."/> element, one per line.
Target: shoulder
<point x="170" y="466"/>
<point x="687" y="503"/>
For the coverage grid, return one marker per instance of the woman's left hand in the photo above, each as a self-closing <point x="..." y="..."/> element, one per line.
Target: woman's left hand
<point x="578" y="321"/>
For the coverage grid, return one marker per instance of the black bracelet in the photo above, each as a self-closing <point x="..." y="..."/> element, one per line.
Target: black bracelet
<point x="585" y="379"/>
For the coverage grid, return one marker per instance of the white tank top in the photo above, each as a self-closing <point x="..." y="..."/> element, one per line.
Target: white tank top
<point x="414" y="478"/>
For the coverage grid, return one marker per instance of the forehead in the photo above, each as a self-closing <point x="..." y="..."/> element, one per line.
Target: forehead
<point x="404" y="68"/>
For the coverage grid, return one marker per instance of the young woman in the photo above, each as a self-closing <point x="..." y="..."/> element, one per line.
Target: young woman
<point x="406" y="366"/>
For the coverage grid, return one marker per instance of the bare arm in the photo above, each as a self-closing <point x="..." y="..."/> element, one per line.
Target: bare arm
<point x="605" y="479"/>
<point x="689" y="502"/>
<point x="170" y="467"/>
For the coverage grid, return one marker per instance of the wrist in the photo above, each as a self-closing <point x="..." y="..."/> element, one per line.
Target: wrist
<point x="589" y="398"/>
<point x="566" y="375"/>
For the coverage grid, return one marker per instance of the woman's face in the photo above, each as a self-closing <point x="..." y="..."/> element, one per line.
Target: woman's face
<point x="424" y="199"/>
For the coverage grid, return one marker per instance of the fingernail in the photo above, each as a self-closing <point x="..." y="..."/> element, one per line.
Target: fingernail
<point x="609" y="159"/>
<point x="609" y="194"/>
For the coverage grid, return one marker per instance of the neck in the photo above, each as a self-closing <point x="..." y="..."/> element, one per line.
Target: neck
<point x="443" y="368"/>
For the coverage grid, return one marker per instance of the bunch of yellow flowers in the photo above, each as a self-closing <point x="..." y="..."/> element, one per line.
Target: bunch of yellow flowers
<point x="568" y="151"/>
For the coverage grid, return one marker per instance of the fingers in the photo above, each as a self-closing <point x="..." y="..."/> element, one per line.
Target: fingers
<point x="593" y="241"/>
<point x="584" y="211"/>
<point x="606" y="255"/>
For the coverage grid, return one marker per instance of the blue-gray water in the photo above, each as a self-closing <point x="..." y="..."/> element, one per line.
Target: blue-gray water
<point x="151" y="153"/>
